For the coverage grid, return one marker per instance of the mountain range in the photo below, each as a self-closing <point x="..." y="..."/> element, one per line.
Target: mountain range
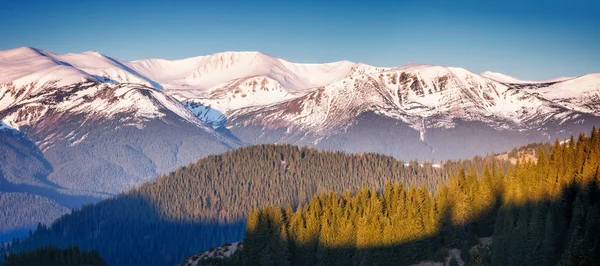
<point x="76" y="128"/>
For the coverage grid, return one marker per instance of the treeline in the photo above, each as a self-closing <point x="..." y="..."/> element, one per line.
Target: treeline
<point x="52" y="256"/>
<point x="206" y="203"/>
<point x="544" y="213"/>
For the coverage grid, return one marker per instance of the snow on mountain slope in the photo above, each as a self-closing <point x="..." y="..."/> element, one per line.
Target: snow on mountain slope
<point x="205" y="72"/>
<point x="324" y="110"/>
<point x="216" y="86"/>
<point x="581" y="93"/>
<point x="4" y="126"/>
<point x="11" y="93"/>
<point x="105" y="138"/>
<point x="212" y="80"/>
<point x="97" y="101"/>
<point x="26" y="65"/>
<point x="171" y="74"/>
<point x="238" y="93"/>
<point x="426" y="91"/>
<point x="360" y="69"/>
<point x="218" y="68"/>
<point x="25" y="70"/>
<point x="316" y="75"/>
<point x="212" y="105"/>
<point x="19" y="63"/>
<point x="423" y="96"/>
<point x="502" y="77"/>
<point x="512" y="80"/>
<point x="105" y="68"/>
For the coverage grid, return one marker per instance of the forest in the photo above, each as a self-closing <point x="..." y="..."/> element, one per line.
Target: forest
<point x="52" y="256"/>
<point x="534" y="213"/>
<point x="206" y="203"/>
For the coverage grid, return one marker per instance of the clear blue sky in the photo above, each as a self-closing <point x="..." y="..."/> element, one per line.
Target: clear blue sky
<point x="522" y="38"/>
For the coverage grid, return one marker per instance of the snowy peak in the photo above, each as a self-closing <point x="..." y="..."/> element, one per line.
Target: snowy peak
<point x="104" y="68"/>
<point x="222" y="67"/>
<point x="205" y="72"/>
<point x="360" y="69"/>
<point x="29" y="65"/>
<point x="218" y="68"/>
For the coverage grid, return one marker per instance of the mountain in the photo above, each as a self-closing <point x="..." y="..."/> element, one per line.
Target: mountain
<point x="91" y="126"/>
<point x="424" y="112"/>
<point x="76" y="129"/>
<point x="206" y="72"/>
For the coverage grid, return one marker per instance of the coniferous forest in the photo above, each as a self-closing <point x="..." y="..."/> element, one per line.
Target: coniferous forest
<point x="206" y="203"/>
<point x="300" y="206"/>
<point x="544" y="213"/>
<point x="51" y="256"/>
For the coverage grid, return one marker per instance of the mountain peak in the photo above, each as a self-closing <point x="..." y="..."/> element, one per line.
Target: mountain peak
<point x="20" y="53"/>
<point x="229" y="59"/>
<point x="94" y="53"/>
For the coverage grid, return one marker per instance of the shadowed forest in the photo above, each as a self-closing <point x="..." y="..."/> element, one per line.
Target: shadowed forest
<point x="51" y="256"/>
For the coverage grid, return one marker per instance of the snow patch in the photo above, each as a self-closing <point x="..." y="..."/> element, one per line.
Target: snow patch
<point x="4" y="126"/>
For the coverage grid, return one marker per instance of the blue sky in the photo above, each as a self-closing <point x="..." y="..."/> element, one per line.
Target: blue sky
<point x="525" y="39"/>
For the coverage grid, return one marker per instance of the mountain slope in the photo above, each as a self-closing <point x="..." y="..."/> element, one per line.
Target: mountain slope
<point x="118" y="130"/>
<point x="422" y="111"/>
<point x="104" y="125"/>
<point x="91" y="132"/>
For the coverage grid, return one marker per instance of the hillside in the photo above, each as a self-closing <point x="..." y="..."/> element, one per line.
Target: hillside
<point x="536" y="213"/>
<point x="210" y="200"/>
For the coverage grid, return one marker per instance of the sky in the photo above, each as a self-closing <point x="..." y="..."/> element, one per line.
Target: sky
<point x="531" y="40"/>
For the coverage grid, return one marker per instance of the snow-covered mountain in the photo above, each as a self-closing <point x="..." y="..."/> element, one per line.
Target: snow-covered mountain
<point x="426" y="112"/>
<point x="97" y="125"/>
<point x="426" y="96"/>
<point x="206" y="72"/>
<point x="305" y="103"/>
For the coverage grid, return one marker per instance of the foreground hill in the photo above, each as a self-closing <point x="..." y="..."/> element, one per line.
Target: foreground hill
<point x="206" y="203"/>
<point x="537" y="213"/>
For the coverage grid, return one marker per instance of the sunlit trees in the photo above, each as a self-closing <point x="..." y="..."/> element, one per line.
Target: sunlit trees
<point x="538" y="213"/>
